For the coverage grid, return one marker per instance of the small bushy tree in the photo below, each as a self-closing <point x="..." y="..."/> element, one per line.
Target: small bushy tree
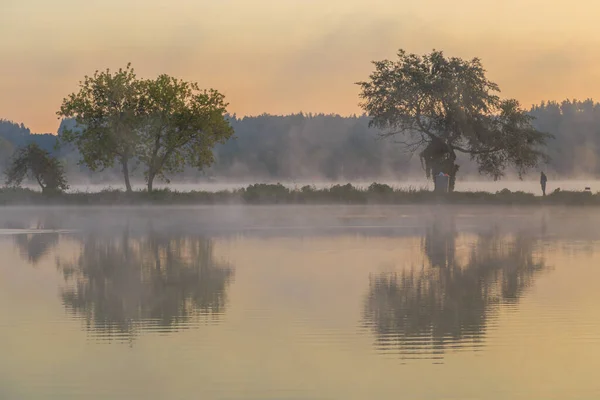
<point x="37" y="164"/>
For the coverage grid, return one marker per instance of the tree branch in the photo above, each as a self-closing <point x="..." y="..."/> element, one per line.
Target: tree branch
<point x="462" y="150"/>
<point x="412" y="147"/>
<point x="420" y="123"/>
<point x="37" y="178"/>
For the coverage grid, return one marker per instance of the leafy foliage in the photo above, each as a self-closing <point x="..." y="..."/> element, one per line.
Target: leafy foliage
<point x="163" y="123"/>
<point x="106" y="112"/>
<point x="40" y="166"/>
<point x="181" y="125"/>
<point x="447" y="105"/>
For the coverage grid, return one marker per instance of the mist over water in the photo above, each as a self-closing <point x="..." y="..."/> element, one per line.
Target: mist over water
<point x="287" y="302"/>
<point x="299" y="302"/>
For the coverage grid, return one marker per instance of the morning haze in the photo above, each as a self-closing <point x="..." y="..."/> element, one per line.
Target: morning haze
<point x="282" y="57"/>
<point x="249" y="242"/>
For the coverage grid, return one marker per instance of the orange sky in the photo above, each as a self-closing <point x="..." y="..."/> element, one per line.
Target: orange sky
<point x="282" y="56"/>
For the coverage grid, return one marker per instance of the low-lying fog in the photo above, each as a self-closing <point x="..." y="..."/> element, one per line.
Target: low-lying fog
<point x="226" y="220"/>
<point x="529" y="186"/>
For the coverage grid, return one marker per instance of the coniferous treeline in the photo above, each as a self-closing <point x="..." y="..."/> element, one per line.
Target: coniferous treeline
<point x="308" y="147"/>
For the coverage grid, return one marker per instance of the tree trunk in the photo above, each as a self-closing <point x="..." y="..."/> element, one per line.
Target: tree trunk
<point x="445" y="166"/>
<point x="439" y="157"/>
<point x="125" y="164"/>
<point x="150" y="181"/>
<point x="452" y="174"/>
<point x="39" y="181"/>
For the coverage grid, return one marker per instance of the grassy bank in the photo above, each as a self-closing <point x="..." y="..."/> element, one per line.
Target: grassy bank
<point x="278" y="194"/>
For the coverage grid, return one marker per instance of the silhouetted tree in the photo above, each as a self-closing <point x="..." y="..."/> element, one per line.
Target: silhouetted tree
<point x="447" y="105"/>
<point x="40" y="166"/>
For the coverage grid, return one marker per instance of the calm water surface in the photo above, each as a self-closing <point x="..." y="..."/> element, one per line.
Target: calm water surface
<point x="299" y="303"/>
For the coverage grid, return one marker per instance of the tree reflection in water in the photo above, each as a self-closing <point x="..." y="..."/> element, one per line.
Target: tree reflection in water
<point x="447" y="304"/>
<point x="124" y="284"/>
<point x="34" y="246"/>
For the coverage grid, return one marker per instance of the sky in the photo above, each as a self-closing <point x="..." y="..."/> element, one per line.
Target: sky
<point x="284" y="56"/>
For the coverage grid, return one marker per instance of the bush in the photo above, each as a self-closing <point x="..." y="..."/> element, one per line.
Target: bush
<point x="278" y="194"/>
<point x="266" y="193"/>
<point x="380" y="188"/>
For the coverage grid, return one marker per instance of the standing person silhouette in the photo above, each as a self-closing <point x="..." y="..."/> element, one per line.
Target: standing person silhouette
<point x="543" y="180"/>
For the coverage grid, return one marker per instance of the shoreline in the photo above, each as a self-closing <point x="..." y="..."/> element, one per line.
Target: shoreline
<point x="277" y="194"/>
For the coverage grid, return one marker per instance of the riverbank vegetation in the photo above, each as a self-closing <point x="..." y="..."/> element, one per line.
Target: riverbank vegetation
<point x="272" y="194"/>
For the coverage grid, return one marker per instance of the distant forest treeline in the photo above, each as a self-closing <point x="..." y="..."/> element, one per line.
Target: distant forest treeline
<point x="310" y="147"/>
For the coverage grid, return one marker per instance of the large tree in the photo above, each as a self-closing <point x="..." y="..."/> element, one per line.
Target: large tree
<point x="163" y="123"/>
<point x="181" y="126"/>
<point x="447" y="105"/>
<point x="107" y="113"/>
<point x="40" y="166"/>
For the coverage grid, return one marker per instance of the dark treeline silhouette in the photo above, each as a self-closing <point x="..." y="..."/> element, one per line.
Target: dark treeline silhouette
<point x="332" y="147"/>
<point x="448" y="303"/>
<point x="308" y="146"/>
<point x="576" y="126"/>
<point x="18" y="135"/>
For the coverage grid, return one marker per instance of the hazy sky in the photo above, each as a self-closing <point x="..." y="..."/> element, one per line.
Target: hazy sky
<point x="282" y="56"/>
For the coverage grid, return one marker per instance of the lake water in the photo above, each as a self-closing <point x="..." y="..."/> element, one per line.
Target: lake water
<point x="297" y="302"/>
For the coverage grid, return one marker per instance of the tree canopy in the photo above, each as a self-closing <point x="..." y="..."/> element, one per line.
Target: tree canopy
<point x="106" y="112"/>
<point x="163" y="123"/>
<point x="40" y="166"/>
<point x="181" y="125"/>
<point x="447" y="105"/>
